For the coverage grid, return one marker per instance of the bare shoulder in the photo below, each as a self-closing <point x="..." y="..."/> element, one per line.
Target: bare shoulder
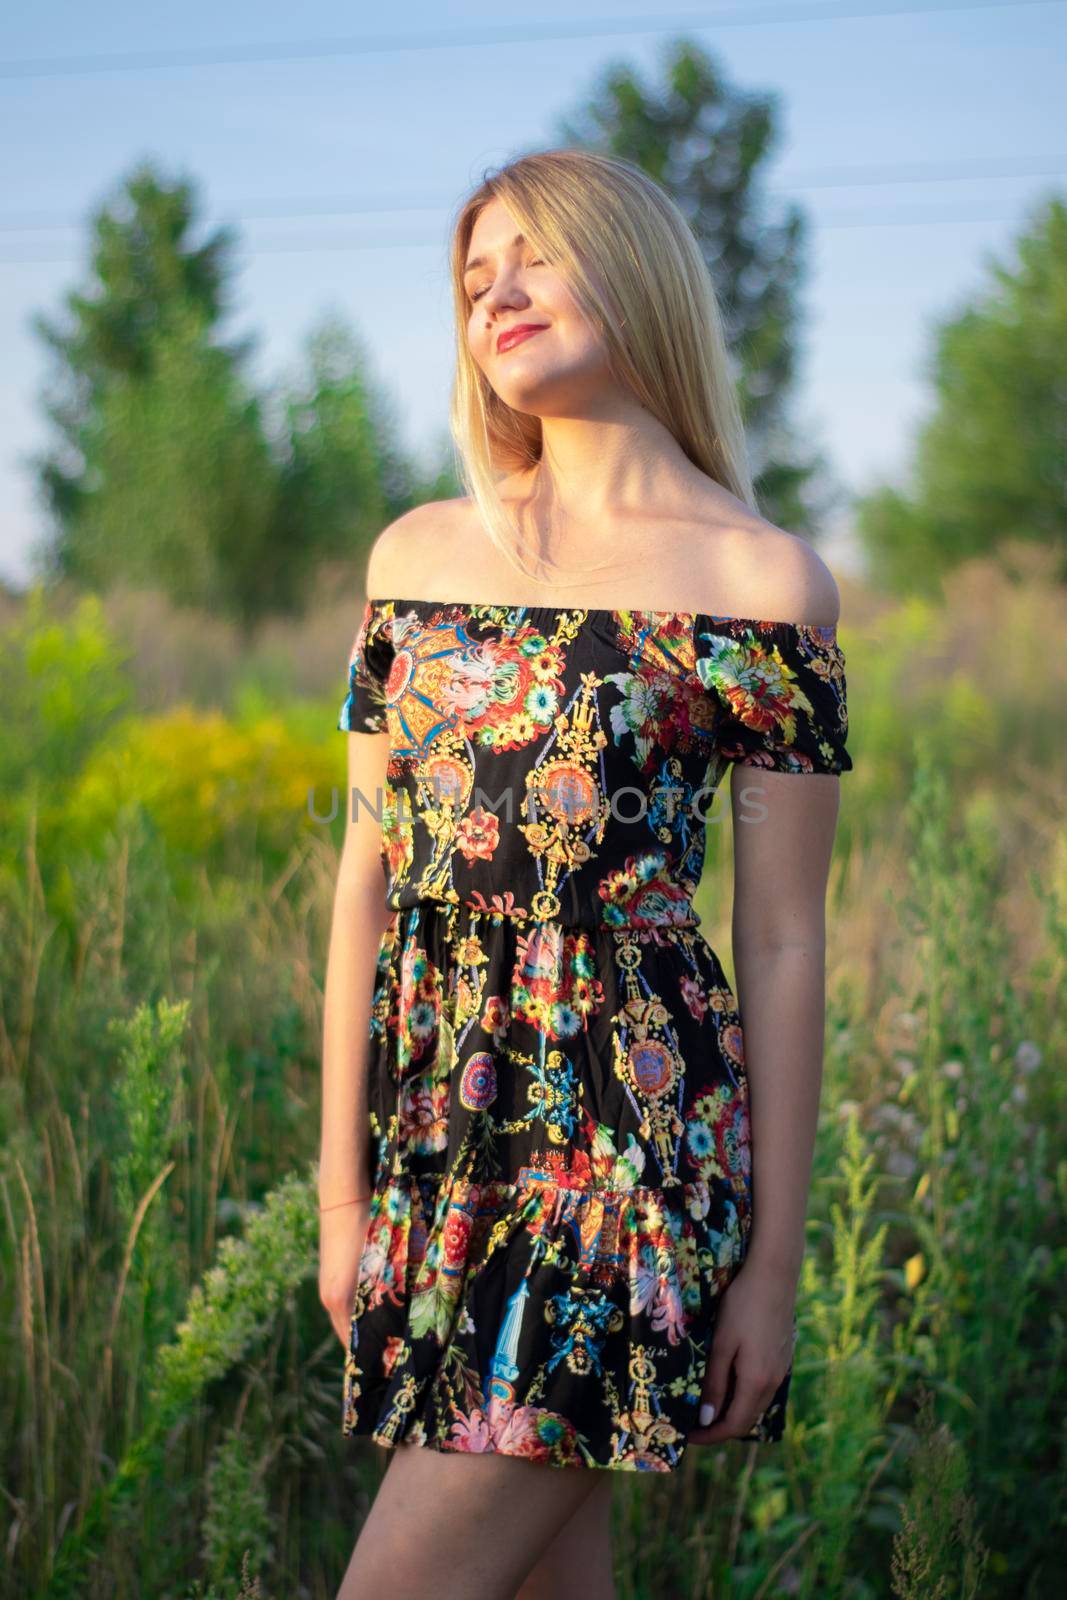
<point x="768" y="573"/>
<point x="803" y="588"/>
<point x="407" y="554"/>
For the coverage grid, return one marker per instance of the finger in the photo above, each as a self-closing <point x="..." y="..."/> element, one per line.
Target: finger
<point x="716" y="1379"/>
<point x="748" y="1403"/>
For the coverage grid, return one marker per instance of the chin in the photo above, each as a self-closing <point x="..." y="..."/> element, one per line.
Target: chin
<point x="547" y="394"/>
<point x="533" y="397"/>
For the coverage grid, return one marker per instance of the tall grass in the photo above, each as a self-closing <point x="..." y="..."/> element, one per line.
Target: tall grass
<point x="171" y="1404"/>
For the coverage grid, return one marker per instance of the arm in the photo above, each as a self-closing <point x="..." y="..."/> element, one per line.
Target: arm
<point x="780" y="708"/>
<point x="784" y="828"/>
<point x="360" y="917"/>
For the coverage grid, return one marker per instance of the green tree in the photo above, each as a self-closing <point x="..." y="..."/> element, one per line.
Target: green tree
<point x="343" y="474"/>
<point x="168" y="469"/>
<point x="186" y="487"/>
<point x="706" y="142"/>
<point x="991" y="460"/>
<point x="145" y="272"/>
<point x="343" y="470"/>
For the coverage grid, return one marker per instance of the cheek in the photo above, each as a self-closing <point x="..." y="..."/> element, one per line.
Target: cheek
<point x="578" y="342"/>
<point x="575" y="334"/>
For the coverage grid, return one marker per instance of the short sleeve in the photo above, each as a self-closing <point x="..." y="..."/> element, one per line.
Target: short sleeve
<point x="364" y="708"/>
<point x="779" y="691"/>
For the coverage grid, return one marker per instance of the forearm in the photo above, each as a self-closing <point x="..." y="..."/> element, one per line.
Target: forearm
<point x="781" y="995"/>
<point x="359" y="919"/>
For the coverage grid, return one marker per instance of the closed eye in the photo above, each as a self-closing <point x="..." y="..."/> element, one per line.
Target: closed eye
<point x="478" y="295"/>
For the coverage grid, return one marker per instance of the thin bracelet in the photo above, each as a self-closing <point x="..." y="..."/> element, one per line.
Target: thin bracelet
<point x="352" y="1202"/>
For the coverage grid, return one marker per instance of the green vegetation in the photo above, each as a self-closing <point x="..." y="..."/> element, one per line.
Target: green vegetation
<point x="989" y="460"/>
<point x="167" y="469"/>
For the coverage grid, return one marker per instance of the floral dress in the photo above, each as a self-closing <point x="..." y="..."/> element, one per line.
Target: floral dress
<point x="558" y="1104"/>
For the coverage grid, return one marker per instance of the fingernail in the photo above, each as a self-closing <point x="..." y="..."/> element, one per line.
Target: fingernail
<point x="707" y="1414"/>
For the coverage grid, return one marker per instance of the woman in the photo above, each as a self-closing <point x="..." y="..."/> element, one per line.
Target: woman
<point x="544" y="1125"/>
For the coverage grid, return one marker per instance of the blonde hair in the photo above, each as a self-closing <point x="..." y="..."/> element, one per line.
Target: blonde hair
<point x="633" y="265"/>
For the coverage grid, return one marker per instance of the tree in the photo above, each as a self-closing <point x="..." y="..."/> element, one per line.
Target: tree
<point x="169" y="470"/>
<point x="991" y="460"/>
<point x="186" y="489"/>
<point x="343" y="474"/>
<point x="145" y="273"/>
<point x="705" y="143"/>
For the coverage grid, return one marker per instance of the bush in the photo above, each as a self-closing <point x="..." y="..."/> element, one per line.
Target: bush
<point x="219" y="794"/>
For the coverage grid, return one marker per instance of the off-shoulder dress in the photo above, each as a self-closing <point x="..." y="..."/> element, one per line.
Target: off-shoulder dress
<point x="558" y="1104"/>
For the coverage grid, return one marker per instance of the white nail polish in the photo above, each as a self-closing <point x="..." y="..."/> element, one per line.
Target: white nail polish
<point x="707" y="1414"/>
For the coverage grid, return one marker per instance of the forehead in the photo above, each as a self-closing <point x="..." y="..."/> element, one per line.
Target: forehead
<point x="494" y="229"/>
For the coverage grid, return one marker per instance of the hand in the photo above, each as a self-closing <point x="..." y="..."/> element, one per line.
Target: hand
<point x="342" y="1235"/>
<point x="754" y="1334"/>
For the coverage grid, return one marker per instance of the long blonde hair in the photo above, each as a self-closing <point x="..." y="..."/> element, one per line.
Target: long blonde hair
<point x="633" y="264"/>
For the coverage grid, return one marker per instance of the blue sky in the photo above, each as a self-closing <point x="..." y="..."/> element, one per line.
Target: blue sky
<point x="918" y="143"/>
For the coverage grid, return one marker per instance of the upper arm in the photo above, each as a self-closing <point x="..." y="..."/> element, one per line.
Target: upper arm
<point x="363" y="717"/>
<point x="404" y="546"/>
<point x="783" y="832"/>
<point x="781" y="716"/>
<point x="366" y="797"/>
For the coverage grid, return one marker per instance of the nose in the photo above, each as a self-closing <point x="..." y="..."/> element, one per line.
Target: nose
<point x="504" y="292"/>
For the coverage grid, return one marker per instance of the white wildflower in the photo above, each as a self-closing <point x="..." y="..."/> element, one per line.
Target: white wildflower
<point x="1028" y="1056"/>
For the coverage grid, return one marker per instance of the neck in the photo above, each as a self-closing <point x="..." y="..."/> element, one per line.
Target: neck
<point x="566" y="510"/>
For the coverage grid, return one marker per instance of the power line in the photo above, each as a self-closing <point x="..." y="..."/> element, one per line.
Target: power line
<point x="473" y="35"/>
<point x="325" y="206"/>
<point x="962" y="171"/>
<point x="304" y="246"/>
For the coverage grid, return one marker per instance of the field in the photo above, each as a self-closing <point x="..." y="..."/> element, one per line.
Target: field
<point x="171" y="1402"/>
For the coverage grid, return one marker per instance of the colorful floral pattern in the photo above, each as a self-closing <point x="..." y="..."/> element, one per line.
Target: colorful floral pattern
<point x="559" y="1111"/>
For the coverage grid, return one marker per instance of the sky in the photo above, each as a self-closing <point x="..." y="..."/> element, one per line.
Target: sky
<point x="918" y="138"/>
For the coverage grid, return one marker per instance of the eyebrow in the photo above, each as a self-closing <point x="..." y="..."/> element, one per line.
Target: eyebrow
<point x="479" y="261"/>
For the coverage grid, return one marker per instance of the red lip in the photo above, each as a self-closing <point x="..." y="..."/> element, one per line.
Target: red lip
<point x="521" y="330"/>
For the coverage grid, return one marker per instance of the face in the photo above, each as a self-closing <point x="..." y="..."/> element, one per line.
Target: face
<point x="524" y="328"/>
